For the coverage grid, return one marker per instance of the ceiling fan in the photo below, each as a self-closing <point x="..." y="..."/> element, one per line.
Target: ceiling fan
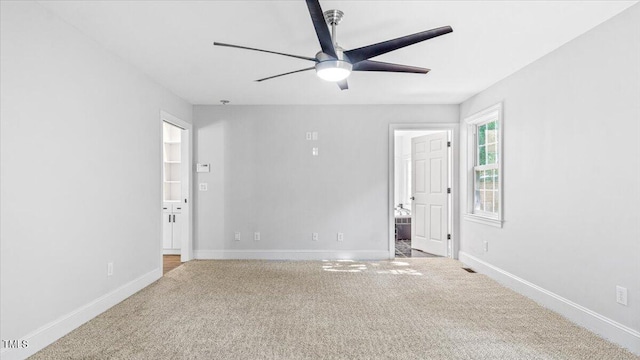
<point x="335" y="64"/>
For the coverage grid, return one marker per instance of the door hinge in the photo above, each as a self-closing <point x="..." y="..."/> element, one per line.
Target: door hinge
<point x="448" y="236"/>
<point x="448" y="143"/>
<point x="448" y="190"/>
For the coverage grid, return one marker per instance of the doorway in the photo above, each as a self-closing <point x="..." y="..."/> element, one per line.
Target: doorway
<point x="176" y="245"/>
<point x="422" y="215"/>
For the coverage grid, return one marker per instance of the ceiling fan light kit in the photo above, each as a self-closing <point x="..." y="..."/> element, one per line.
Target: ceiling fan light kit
<point x="335" y="64"/>
<point x="333" y="70"/>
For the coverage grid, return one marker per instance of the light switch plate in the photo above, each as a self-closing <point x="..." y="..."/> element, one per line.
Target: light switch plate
<point x="621" y="295"/>
<point x="202" y="186"/>
<point x="314" y="135"/>
<point x="308" y="136"/>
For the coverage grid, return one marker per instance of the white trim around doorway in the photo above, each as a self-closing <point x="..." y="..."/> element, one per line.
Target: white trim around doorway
<point x="454" y="178"/>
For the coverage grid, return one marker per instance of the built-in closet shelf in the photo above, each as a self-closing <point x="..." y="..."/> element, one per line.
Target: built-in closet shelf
<point x="172" y="163"/>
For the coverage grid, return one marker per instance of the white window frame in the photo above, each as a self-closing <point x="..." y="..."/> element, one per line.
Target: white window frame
<point x="493" y="113"/>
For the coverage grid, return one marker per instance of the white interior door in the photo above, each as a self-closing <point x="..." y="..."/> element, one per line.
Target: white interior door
<point x="429" y="183"/>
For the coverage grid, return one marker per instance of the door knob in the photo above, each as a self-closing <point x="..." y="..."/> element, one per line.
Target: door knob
<point x="412" y="198"/>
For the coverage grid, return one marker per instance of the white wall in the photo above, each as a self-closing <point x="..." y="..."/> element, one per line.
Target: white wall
<point x="264" y="178"/>
<point x="81" y="167"/>
<point x="571" y="178"/>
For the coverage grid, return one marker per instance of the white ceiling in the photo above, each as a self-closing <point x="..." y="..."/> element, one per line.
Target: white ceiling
<point x="172" y="42"/>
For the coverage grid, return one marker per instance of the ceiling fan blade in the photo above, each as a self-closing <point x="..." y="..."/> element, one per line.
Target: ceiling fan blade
<point x="291" y="72"/>
<point x="266" y="51"/>
<point x="343" y="85"/>
<point x="322" y="30"/>
<point x="367" y="52"/>
<point x="370" y="65"/>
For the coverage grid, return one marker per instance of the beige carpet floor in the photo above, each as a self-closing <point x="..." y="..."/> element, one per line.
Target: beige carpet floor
<point x="407" y="309"/>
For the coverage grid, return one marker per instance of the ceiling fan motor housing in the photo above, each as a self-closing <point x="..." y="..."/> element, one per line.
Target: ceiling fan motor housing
<point x="320" y="56"/>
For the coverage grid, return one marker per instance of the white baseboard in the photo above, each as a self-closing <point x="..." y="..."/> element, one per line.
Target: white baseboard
<point x="599" y="324"/>
<point x="54" y="330"/>
<point x="291" y="255"/>
<point x="171" y="251"/>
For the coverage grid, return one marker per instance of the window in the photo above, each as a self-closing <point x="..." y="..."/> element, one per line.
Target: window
<point x="485" y="171"/>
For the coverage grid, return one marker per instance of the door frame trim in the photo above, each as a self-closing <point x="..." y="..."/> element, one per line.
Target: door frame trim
<point x="454" y="179"/>
<point x="186" y="248"/>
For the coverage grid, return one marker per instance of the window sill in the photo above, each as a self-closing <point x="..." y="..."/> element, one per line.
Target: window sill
<point x="483" y="220"/>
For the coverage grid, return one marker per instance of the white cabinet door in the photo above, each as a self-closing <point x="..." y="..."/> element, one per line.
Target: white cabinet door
<point x="176" y="233"/>
<point x="167" y="229"/>
<point x="172" y="226"/>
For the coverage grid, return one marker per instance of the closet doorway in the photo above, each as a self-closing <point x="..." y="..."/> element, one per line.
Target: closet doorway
<point x="176" y="190"/>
